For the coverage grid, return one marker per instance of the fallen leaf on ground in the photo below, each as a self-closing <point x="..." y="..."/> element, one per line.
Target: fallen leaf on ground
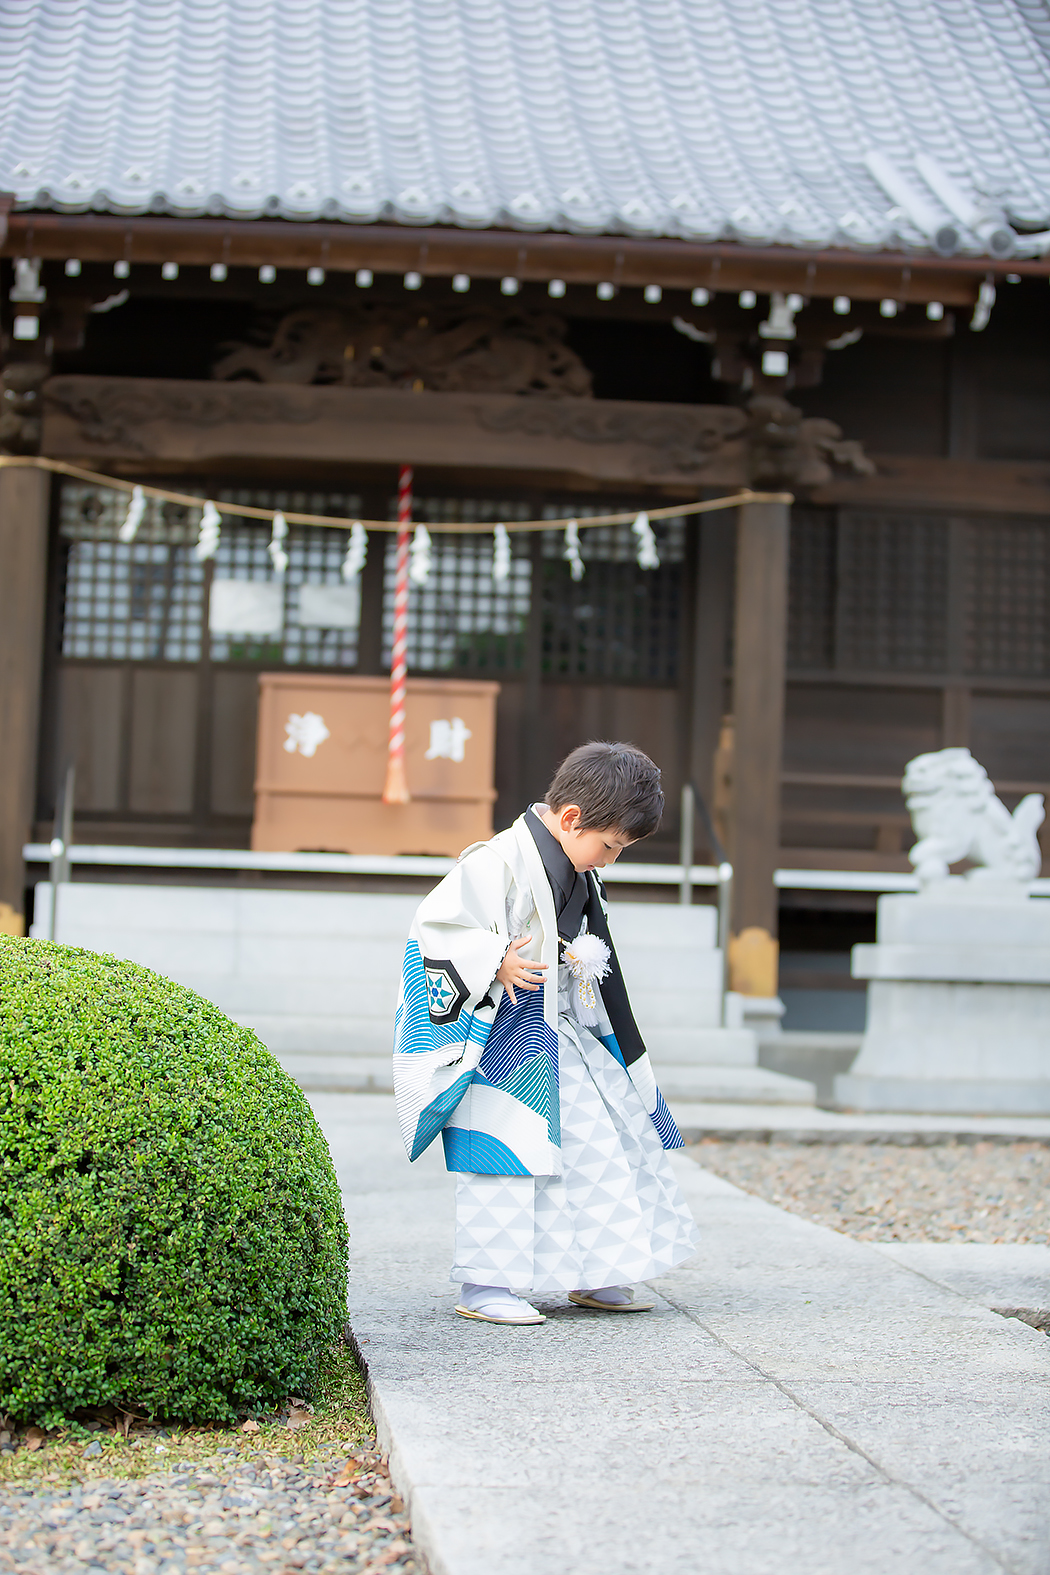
<point x="35" y="1438"/>
<point x="249" y="1426"/>
<point x="297" y="1418"/>
<point x="345" y="1477"/>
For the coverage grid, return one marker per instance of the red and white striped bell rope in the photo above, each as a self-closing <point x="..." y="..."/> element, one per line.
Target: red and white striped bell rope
<point x="396" y="788"/>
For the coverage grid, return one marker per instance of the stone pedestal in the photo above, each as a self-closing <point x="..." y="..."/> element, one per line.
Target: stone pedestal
<point x="958" y="1003"/>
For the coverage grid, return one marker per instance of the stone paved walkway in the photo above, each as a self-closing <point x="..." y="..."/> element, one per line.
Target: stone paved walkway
<point x="799" y="1404"/>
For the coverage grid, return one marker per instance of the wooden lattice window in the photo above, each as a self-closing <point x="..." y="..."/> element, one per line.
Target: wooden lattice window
<point x="139" y="600"/>
<point x="892" y="604"/>
<point x="315" y="557"/>
<point x="1006" y="625"/>
<point x="811" y="601"/>
<point x="618" y="622"/>
<point x="461" y="618"/>
<point x="146" y="600"/>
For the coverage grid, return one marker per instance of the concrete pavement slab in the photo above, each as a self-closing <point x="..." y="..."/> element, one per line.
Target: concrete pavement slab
<point x="934" y="1389"/>
<point x="997" y="1274"/>
<point x="799" y="1404"/>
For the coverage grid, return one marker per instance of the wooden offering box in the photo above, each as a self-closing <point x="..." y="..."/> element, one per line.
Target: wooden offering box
<point x="321" y="765"/>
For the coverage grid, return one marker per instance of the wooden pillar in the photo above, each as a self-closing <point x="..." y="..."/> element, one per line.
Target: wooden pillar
<point x="759" y="661"/>
<point x="24" y="497"/>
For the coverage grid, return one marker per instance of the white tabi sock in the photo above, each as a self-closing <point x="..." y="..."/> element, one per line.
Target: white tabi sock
<point x="495" y="1301"/>
<point x="612" y="1295"/>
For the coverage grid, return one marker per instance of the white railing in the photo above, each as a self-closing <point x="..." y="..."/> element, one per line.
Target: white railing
<point x="381" y="864"/>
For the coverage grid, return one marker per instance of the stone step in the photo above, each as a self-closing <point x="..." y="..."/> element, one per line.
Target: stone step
<point x="720" y="1085"/>
<point x="668" y="969"/>
<point x="219" y="910"/>
<point x="316" y="975"/>
<point x="303" y="998"/>
<point x="342" y="1074"/>
<point x="373" y="1035"/>
<point x="732" y="1085"/>
<point x="700" y="1046"/>
<point x="663" y="924"/>
<point x="693" y="1005"/>
<point x="338" y="1036"/>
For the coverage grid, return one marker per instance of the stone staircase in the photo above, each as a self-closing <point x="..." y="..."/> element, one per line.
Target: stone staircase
<point x="316" y="975"/>
<point x="673" y="970"/>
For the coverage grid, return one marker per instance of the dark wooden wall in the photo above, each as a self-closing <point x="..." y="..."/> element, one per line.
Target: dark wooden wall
<point x="908" y="631"/>
<point x="165" y="749"/>
<point x="148" y="770"/>
<point x="911" y="627"/>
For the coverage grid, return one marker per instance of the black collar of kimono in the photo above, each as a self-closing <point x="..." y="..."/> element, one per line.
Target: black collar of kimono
<point x="574" y="896"/>
<point x="567" y="884"/>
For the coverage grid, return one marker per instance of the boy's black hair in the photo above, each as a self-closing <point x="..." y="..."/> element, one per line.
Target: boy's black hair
<point x="616" y="786"/>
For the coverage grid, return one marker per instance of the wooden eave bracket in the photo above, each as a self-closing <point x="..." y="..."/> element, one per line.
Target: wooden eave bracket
<point x="627" y="261"/>
<point x="7" y="202"/>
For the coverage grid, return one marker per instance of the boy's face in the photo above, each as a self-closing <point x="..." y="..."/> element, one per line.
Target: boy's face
<point x="590" y="849"/>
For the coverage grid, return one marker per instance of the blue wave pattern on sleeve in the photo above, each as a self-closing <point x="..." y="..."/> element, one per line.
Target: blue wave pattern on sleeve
<point x="665" y="1124"/>
<point x="413" y="1030"/>
<point x="481" y="1153"/>
<point x="535" y="1084"/>
<point x="518" y="1032"/>
<point x="433" y="1118"/>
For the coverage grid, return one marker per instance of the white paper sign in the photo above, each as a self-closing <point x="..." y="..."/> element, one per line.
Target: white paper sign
<point x="447" y="739"/>
<point x="305" y="733"/>
<point x="330" y="606"/>
<point x="246" y="607"/>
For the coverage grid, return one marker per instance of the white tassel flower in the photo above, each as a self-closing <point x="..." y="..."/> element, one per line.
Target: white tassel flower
<point x="588" y="958"/>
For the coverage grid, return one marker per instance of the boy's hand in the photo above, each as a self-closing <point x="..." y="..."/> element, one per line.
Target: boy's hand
<point x="515" y="971"/>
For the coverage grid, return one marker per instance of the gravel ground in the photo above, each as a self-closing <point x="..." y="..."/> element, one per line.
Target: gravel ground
<point x="989" y="1192"/>
<point x="238" y="1516"/>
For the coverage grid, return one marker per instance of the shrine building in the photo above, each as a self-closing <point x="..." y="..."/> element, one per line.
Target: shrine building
<point x="564" y="261"/>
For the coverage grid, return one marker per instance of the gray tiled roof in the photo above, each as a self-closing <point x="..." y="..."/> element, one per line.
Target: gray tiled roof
<point x="813" y="123"/>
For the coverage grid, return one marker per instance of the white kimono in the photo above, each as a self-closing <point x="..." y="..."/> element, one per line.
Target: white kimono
<point x="564" y="1183"/>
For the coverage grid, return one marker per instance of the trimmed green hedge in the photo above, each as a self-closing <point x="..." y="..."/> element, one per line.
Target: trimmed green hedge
<point x="171" y="1233"/>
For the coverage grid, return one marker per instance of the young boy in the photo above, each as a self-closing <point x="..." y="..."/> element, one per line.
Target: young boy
<point x="514" y="1039"/>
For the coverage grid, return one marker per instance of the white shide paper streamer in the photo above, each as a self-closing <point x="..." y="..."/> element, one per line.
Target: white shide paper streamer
<point x="278" y="556"/>
<point x="500" y="555"/>
<point x="356" y="552"/>
<point x="571" y="550"/>
<point x="208" y="535"/>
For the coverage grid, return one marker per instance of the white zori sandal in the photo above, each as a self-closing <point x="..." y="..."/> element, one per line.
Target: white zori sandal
<point x="494" y="1304"/>
<point x="611" y="1298"/>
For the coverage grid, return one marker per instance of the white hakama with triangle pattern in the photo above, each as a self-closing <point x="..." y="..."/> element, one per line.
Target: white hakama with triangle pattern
<point x="615" y="1216"/>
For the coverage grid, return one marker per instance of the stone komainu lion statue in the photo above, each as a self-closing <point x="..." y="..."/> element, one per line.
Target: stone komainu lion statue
<point x="956" y="815"/>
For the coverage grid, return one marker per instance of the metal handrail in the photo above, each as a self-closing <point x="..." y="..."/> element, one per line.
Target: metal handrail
<point x="63" y="836"/>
